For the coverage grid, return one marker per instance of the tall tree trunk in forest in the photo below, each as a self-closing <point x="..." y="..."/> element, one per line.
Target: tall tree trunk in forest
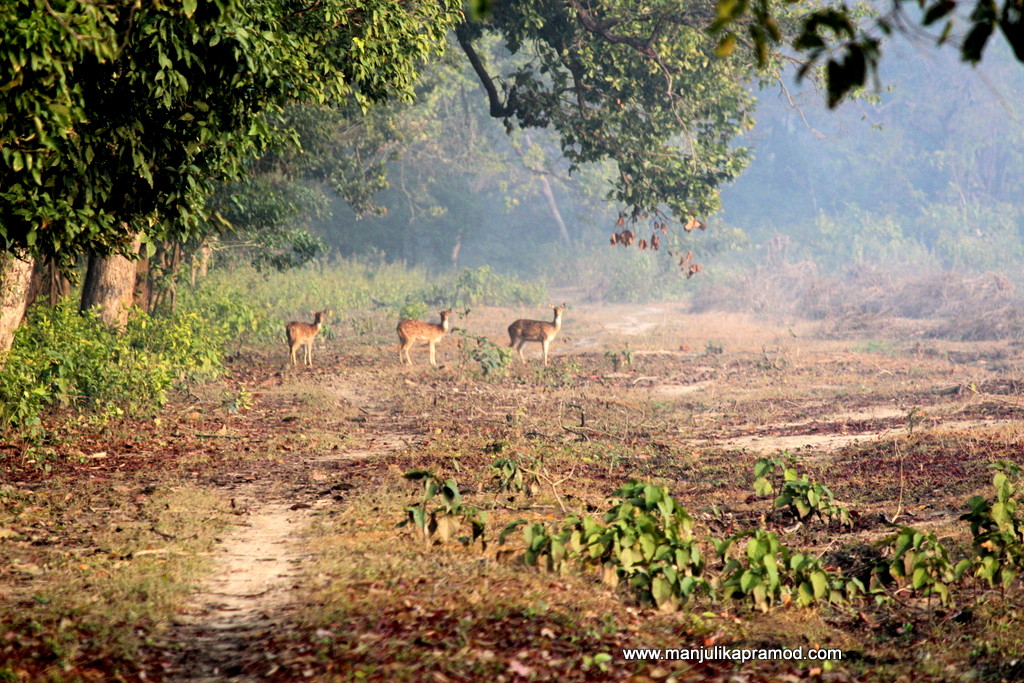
<point x="110" y="286"/>
<point x="15" y="276"/>
<point x="563" y="232"/>
<point x="545" y="186"/>
<point x="48" y="283"/>
<point x="143" y="291"/>
<point x="200" y="262"/>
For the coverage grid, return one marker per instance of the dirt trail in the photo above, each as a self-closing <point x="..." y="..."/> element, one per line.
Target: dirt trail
<point x="254" y="570"/>
<point x="217" y="636"/>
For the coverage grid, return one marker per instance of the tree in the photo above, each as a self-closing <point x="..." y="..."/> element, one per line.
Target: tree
<point x="636" y="84"/>
<point x="119" y="117"/>
<point x="15" y="274"/>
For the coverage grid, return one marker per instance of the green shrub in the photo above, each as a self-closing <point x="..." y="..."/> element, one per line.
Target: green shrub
<point x="768" y="573"/>
<point x="920" y="560"/>
<point x="801" y="496"/>
<point x="64" y="358"/>
<point x="494" y="360"/>
<point x="444" y="520"/>
<point x="646" y="542"/>
<point x="996" y="528"/>
<point x="482" y="286"/>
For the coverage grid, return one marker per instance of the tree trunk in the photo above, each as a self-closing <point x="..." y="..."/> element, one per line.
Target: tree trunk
<point x="57" y="285"/>
<point x="200" y="262"/>
<point x="144" y="285"/>
<point x="545" y="186"/>
<point x="563" y="232"/>
<point x="110" y="287"/>
<point x="15" y="276"/>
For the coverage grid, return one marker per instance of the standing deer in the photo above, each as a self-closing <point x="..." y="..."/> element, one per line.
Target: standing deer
<point x="522" y="331"/>
<point x="412" y="331"/>
<point x="303" y="334"/>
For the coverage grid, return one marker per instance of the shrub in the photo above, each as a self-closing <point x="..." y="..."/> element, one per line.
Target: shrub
<point x="646" y="542"/>
<point x="996" y="528"/>
<point x="61" y="357"/>
<point x="801" y="496"/>
<point x="768" y="573"/>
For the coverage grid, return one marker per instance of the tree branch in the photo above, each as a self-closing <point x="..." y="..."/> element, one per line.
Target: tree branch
<point x="499" y="109"/>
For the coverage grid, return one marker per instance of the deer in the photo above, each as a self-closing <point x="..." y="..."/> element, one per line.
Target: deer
<point x="522" y="331"/>
<point x="302" y="334"/>
<point x="412" y="331"/>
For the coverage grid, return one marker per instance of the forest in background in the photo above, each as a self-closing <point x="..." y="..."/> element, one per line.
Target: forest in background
<point x="919" y="175"/>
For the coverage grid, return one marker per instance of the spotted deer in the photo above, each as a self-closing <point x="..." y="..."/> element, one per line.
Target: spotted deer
<point x="522" y="331"/>
<point x="302" y="334"/>
<point x="412" y="331"/>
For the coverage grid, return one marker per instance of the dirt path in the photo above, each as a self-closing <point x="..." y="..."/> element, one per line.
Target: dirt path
<point x="217" y="635"/>
<point x="254" y="571"/>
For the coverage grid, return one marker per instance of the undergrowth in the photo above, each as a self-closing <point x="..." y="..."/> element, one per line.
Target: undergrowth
<point x="67" y="359"/>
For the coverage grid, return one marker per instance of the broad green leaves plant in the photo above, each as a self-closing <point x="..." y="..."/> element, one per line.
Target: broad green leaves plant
<point x="768" y="573"/>
<point x="645" y="542"/>
<point x="803" y="497"/>
<point x="494" y="360"/>
<point x="996" y="528"/>
<point x="509" y="475"/>
<point x="446" y="519"/>
<point x="922" y="562"/>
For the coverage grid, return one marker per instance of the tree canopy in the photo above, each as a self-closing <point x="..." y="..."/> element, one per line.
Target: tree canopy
<point x="846" y="41"/>
<point x="635" y="84"/>
<point x="118" y="117"/>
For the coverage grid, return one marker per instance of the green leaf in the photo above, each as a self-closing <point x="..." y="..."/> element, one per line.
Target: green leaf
<point x="820" y="583"/>
<point x="661" y="591"/>
<point x="726" y="45"/>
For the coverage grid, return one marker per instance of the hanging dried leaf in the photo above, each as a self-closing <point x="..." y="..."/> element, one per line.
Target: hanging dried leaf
<point x="664" y="228"/>
<point x="655" y="242"/>
<point x="621" y="221"/>
<point x="615" y="239"/>
<point x="627" y="237"/>
<point x="694" y="269"/>
<point x="642" y="244"/>
<point x="691" y="223"/>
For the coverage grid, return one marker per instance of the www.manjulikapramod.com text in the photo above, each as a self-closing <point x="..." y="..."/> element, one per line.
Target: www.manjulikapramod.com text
<point x="722" y="653"/>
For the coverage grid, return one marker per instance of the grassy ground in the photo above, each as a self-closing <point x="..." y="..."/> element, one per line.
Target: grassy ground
<point x="98" y="557"/>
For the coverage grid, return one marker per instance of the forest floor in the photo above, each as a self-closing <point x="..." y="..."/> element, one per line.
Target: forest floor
<point x="248" y="531"/>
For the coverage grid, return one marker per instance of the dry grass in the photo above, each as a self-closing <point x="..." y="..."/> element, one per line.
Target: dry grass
<point x="897" y="425"/>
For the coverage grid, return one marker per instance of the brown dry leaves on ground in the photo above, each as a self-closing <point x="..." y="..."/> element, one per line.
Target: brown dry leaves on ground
<point x="99" y="554"/>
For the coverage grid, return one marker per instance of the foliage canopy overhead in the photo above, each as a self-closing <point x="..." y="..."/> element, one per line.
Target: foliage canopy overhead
<point x="636" y="84"/>
<point x="118" y="117"/>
